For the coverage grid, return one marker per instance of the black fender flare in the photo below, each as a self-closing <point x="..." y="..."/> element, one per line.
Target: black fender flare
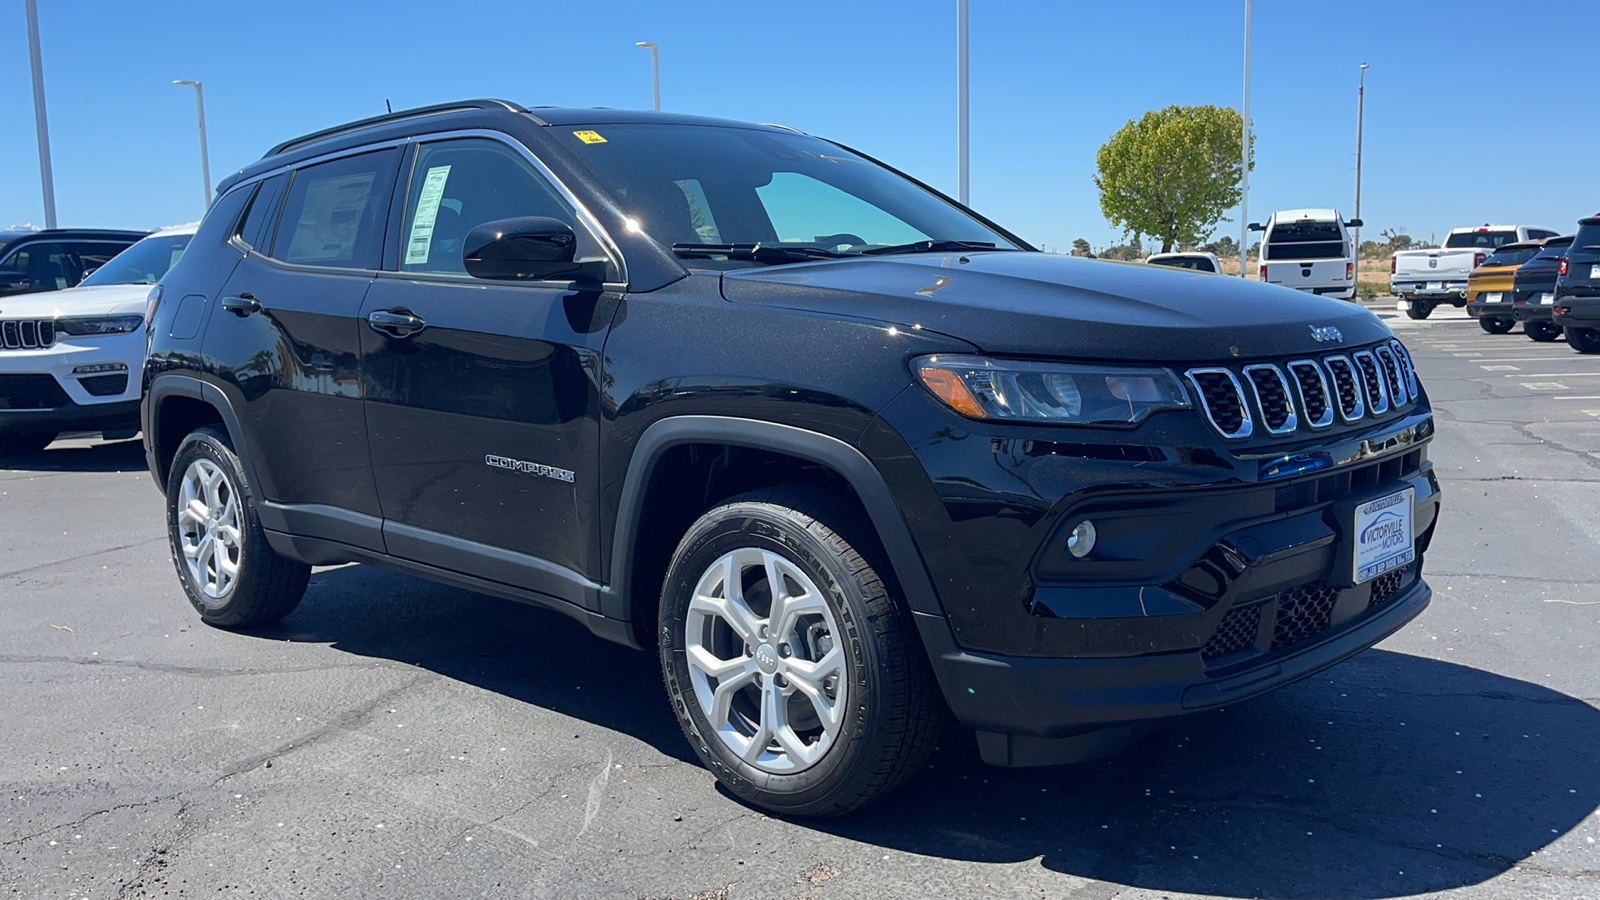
<point x="850" y="463"/>
<point x="176" y="384"/>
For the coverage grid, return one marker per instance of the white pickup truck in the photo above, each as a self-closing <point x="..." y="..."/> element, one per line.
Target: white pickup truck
<point x="1423" y="279"/>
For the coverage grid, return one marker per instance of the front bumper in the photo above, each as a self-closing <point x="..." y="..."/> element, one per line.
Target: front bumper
<point x="1576" y="311"/>
<point x="48" y="389"/>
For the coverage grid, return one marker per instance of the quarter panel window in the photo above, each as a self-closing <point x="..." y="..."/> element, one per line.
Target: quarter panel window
<point x="256" y="228"/>
<point x="335" y="212"/>
<point x="457" y="185"/>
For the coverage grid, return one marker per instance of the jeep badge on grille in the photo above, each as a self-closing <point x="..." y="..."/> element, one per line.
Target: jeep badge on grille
<point x="1324" y="333"/>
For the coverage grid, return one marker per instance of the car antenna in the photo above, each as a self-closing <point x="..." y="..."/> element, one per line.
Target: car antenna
<point x="386" y="107"/>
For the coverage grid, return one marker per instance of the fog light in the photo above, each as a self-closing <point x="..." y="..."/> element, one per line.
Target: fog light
<point x="97" y="368"/>
<point x="1081" y="541"/>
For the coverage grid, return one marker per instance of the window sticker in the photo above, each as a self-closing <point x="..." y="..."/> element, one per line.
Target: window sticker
<point x="421" y="240"/>
<point x="589" y="137"/>
<point x="705" y="225"/>
<point x="330" y="220"/>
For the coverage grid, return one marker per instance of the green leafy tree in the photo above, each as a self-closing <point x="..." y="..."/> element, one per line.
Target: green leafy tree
<point x="1173" y="173"/>
<point x="1080" y="247"/>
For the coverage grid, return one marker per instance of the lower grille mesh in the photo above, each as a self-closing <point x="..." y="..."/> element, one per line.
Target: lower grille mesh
<point x="31" y="392"/>
<point x="1237" y="632"/>
<point x="1303" y="612"/>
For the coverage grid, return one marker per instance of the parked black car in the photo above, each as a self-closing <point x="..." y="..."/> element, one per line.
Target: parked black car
<point x="1577" y="302"/>
<point x="841" y="451"/>
<point x="1534" y="288"/>
<point x="56" y="259"/>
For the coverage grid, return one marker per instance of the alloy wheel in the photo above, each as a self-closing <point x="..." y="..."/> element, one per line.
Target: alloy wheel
<point x="209" y="532"/>
<point x="765" y="661"/>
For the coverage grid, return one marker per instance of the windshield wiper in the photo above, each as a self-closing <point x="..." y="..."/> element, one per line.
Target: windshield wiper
<point x="765" y="253"/>
<point x="931" y="247"/>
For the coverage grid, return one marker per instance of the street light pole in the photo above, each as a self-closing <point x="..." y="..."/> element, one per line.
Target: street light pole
<point x="655" y="68"/>
<point x="1244" y="195"/>
<point x="205" y="158"/>
<point x="1361" y="103"/>
<point x="962" y="146"/>
<point x="47" y="178"/>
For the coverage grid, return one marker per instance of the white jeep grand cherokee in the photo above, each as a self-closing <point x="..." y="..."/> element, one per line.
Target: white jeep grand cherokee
<point x="70" y="361"/>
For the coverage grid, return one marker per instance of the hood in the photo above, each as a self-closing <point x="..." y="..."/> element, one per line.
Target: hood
<point x="96" y="300"/>
<point x="1040" y="304"/>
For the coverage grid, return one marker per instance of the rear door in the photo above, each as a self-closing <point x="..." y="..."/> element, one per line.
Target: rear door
<point x="483" y="410"/>
<point x="285" y="336"/>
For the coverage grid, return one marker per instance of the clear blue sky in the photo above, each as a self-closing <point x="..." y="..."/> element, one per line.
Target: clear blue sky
<point x="1476" y="110"/>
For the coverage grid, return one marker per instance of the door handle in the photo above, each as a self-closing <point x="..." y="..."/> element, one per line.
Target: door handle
<point x="395" y="323"/>
<point x="242" y="305"/>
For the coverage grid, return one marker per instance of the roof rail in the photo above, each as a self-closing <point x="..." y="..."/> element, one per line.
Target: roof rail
<point x="784" y="127"/>
<point x="402" y="115"/>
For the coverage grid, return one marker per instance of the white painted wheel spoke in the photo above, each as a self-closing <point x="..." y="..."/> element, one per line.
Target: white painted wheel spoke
<point x="714" y="666"/>
<point x="210" y="536"/>
<point x="195" y="511"/>
<point x="827" y="710"/>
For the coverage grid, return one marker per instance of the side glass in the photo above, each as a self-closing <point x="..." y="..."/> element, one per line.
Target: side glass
<point x="335" y="211"/>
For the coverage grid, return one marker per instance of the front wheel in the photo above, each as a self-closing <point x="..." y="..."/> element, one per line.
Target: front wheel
<point x="232" y="577"/>
<point x="1543" y="332"/>
<point x="1420" y="309"/>
<point x="1584" y="340"/>
<point x="1496" y="324"/>
<point x="795" y="674"/>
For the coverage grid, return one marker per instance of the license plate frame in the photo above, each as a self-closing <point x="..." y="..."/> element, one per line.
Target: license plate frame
<point x="1494" y="297"/>
<point x="1435" y="286"/>
<point x="1594" y="272"/>
<point x="1383" y="535"/>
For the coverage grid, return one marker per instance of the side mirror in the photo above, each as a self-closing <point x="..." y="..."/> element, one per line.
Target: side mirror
<point x="1353" y="223"/>
<point x="87" y="272"/>
<point x="525" y="248"/>
<point x="1257" y="226"/>
<point x="14" y="282"/>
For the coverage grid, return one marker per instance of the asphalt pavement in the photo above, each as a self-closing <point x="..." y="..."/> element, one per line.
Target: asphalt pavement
<point x="392" y="738"/>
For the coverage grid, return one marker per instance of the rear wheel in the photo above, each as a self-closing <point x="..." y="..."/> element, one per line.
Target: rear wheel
<point x="1543" y="332"/>
<point x="1420" y="309"/>
<point x="1496" y="324"/>
<point x="1584" y="340"/>
<point x="795" y="674"/>
<point x="232" y="577"/>
<point x="24" y="443"/>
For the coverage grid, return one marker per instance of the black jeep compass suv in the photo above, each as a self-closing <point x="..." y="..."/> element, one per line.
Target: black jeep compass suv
<point x="844" y="453"/>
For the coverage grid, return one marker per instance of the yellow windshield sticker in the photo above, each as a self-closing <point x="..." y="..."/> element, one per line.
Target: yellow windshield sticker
<point x="589" y="137"/>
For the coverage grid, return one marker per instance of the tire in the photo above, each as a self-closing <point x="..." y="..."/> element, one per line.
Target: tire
<point x="1543" y="332"/>
<point x="886" y="710"/>
<point x="1496" y="324"/>
<point x="1420" y="309"/>
<point x="24" y="443"/>
<point x="1584" y="340"/>
<point x="263" y="587"/>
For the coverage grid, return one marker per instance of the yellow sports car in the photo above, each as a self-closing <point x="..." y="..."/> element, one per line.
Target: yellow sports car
<point x="1489" y="286"/>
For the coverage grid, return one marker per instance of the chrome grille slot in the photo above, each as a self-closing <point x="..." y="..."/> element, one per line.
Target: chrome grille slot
<point x="1312" y="387"/>
<point x="1272" y="398"/>
<point x="1403" y="356"/>
<point x="1346" y="387"/>
<point x="1223" y="401"/>
<point x="1392" y="374"/>
<point x="1372" y="382"/>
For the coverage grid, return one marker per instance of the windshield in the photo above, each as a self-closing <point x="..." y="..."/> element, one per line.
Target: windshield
<point x="1554" y="249"/>
<point x="1306" y="240"/>
<point x="143" y="263"/>
<point x="1479" y="239"/>
<point x="1511" y="257"/>
<point x="706" y="185"/>
<point x="1198" y="263"/>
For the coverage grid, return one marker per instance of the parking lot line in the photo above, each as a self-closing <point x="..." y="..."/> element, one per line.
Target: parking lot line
<point x="1501" y="368"/>
<point x="1572" y="397"/>
<point x="1544" y="385"/>
<point x="1556" y="375"/>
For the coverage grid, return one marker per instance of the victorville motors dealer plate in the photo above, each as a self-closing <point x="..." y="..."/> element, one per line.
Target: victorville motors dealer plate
<point x="1383" y="535"/>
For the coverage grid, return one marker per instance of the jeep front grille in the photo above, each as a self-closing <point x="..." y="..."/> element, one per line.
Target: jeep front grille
<point x="1307" y="393"/>
<point x="27" y="334"/>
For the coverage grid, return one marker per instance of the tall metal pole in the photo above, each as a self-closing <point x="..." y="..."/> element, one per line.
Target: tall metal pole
<point x="1244" y="196"/>
<point x="962" y="146"/>
<point x="1361" y="103"/>
<point x="47" y="178"/>
<point x="655" y="68"/>
<point x="205" y="158"/>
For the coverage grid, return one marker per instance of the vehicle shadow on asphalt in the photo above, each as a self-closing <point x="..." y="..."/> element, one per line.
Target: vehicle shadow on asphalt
<point x="529" y="654"/>
<point x="113" y="456"/>
<point x="1386" y="776"/>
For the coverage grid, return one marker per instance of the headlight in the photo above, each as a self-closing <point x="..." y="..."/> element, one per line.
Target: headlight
<point x="1066" y="393"/>
<point x="89" y="326"/>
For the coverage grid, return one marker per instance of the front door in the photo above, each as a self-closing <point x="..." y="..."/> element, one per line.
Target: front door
<point x="481" y="401"/>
